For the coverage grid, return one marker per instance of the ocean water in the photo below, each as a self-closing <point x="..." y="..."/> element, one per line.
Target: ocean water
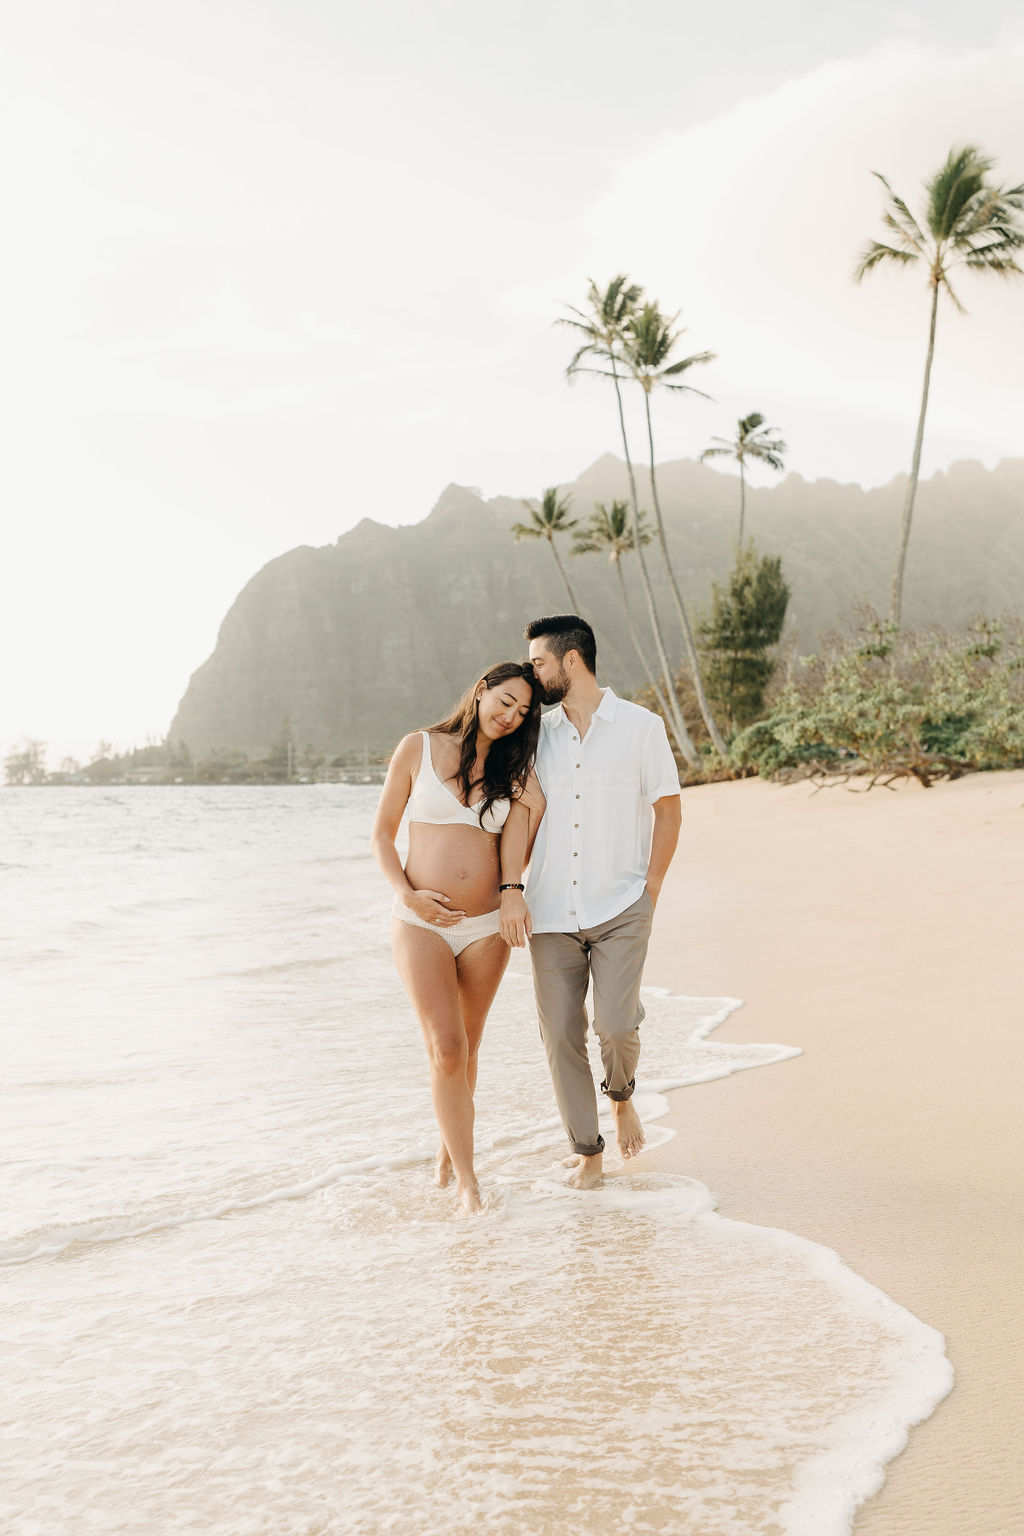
<point x="232" y="1302"/>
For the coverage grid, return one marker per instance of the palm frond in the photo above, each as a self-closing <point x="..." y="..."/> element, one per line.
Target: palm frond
<point x="908" y="241"/>
<point x="875" y="253"/>
<point x="583" y="544"/>
<point x="953" y="187"/>
<point x="988" y="261"/>
<point x="901" y="208"/>
<point x="753" y="440"/>
<point x="527" y="531"/>
<point x="767" y="453"/>
<point x="687" y="362"/>
<point x="601" y="373"/>
<point x="686" y="389"/>
<point x="945" y="283"/>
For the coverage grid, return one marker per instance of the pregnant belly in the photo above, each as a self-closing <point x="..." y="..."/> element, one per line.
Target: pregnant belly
<point x="460" y="862"/>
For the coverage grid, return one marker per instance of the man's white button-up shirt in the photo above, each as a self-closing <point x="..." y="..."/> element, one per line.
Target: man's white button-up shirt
<point x="590" y="859"/>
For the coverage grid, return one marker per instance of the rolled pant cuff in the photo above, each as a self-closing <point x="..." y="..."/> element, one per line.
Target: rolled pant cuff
<point x="619" y="1094"/>
<point x="588" y="1149"/>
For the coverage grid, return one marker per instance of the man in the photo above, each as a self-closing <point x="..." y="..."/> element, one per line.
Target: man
<point x="603" y="849"/>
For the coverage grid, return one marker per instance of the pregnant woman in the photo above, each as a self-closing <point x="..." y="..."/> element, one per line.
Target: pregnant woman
<point x="474" y="807"/>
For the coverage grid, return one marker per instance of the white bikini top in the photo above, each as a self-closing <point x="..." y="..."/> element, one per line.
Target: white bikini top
<point x="433" y="802"/>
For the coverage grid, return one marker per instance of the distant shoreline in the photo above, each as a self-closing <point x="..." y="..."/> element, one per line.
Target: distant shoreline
<point x="183" y="783"/>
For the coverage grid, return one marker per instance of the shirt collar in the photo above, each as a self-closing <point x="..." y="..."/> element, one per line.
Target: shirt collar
<point x="604" y="711"/>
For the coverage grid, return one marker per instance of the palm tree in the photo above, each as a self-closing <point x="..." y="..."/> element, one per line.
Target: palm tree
<point x="648" y="344"/>
<point x="601" y="329"/>
<point x="967" y="222"/>
<point x="551" y="517"/>
<point x="608" y="532"/>
<point x="753" y="440"/>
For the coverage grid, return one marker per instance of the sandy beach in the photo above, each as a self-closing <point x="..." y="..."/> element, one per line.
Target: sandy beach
<point x="881" y="933"/>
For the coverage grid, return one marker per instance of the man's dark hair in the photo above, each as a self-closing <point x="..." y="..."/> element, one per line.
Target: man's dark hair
<point x="566" y="632"/>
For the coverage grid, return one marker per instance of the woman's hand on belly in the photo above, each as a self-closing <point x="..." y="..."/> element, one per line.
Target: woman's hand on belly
<point x="434" y="908"/>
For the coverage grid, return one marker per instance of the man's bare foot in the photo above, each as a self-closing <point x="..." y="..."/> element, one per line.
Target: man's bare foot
<point x="629" y="1133"/>
<point x="588" y="1174"/>
<point x="470" y="1203"/>
<point x="442" y="1168"/>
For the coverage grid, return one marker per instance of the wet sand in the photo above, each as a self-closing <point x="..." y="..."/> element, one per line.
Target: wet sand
<point x="884" y="934"/>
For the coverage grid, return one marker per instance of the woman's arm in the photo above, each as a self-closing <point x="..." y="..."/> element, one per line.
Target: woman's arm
<point x="432" y="906"/>
<point x="517" y="839"/>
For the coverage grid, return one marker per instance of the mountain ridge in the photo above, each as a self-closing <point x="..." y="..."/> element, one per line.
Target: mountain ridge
<point x="348" y="645"/>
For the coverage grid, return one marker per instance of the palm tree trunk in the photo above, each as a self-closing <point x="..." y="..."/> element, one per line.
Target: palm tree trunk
<point x="743" y="502"/>
<point x="662" y="701"/>
<point x="896" y="607"/>
<point x="691" y="649"/>
<point x="674" y="713"/>
<point x="561" y="571"/>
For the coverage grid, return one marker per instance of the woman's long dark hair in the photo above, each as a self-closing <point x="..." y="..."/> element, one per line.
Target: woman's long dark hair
<point x="510" y="759"/>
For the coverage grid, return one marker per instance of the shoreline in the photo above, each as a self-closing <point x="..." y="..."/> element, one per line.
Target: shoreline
<point x="877" y="932"/>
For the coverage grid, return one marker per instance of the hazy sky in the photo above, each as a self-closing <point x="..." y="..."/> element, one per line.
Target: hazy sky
<point x="271" y="266"/>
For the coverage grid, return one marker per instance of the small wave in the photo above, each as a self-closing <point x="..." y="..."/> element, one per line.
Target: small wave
<point x="57" y="1240"/>
<point x="283" y="967"/>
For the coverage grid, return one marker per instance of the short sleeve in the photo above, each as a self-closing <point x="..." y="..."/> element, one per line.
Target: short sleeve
<point x="660" y="776"/>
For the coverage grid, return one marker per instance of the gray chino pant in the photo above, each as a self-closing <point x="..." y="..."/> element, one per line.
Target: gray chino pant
<point x="613" y="954"/>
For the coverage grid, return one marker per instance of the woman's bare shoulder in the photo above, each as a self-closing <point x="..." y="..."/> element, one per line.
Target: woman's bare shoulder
<point x="406" y="756"/>
<point x="409" y="745"/>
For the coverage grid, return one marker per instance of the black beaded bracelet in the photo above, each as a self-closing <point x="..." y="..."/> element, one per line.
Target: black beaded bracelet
<point x="513" y="885"/>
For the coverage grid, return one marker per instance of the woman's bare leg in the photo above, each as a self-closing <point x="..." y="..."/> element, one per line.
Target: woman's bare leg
<point x="479" y="969"/>
<point x="427" y="968"/>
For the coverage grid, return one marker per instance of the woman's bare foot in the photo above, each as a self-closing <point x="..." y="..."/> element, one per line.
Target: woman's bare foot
<point x="629" y="1133"/>
<point x="588" y="1173"/>
<point x="442" y="1168"/>
<point x="470" y="1203"/>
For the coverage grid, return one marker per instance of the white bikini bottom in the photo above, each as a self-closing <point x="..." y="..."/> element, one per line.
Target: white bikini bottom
<point x="455" y="935"/>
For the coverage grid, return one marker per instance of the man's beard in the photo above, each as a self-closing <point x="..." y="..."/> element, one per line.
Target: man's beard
<point x="555" y="691"/>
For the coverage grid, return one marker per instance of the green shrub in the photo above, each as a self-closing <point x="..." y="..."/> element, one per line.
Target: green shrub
<point x="894" y="702"/>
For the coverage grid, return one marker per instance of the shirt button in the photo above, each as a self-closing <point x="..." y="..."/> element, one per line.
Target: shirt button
<point x="575" y="855"/>
<point x="577" y="765"/>
<point x="574" y="882"/>
<point x="577" y="797"/>
<point x="576" y="824"/>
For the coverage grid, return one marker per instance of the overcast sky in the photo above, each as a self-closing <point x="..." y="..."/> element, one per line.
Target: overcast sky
<point x="271" y="266"/>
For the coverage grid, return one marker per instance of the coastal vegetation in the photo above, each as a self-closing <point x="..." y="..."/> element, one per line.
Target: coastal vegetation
<point x="547" y="519"/>
<point x="609" y="533"/>
<point x="967" y="222"/>
<point x="754" y="443"/>
<point x="601" y="329"/>
<point x="739" y="636"/>
<point x="624" y="336"/>
<point x="890" y="703"/>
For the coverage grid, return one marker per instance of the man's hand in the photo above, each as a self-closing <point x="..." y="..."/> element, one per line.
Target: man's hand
<point x="654" y="892"/>
<point x="514" y="923"/>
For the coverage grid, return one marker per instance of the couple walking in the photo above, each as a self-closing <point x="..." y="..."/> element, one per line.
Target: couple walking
<point x="585" y="797"/>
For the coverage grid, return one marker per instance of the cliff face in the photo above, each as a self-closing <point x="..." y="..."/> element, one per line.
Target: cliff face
<point x="375" y="635"/>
